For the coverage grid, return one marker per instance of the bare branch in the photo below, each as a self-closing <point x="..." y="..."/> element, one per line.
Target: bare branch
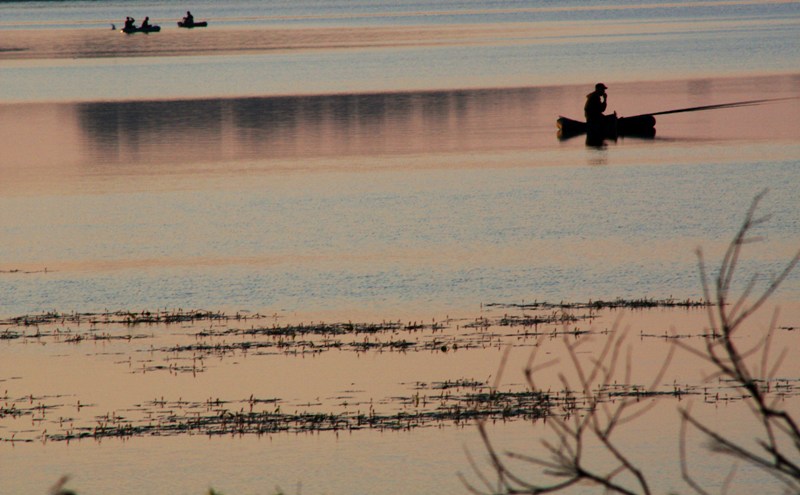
<point x="592" y="414"/>
<point x="687" y="477"/>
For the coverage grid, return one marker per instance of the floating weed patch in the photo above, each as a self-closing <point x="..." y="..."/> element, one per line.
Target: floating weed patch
<point x="9" y="335"/>
<point x="619" y="303"/>
<point x="395" y="336"/>
<point x="436" y="404"/>
<point x="560" y="316"/>
<point x="317" y="337"/>
<point x="42" y="333"/>
<point x="192" y="342"/>
<point x="125" y="317"/>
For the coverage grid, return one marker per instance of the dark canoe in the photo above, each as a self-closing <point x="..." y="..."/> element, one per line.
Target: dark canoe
<point x="611" y="127"/>
<point x="200" y="24"/>
<point x="148" y="29"/>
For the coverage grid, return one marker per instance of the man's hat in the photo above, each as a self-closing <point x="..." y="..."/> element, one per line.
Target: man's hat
<point x="600" y="86"/>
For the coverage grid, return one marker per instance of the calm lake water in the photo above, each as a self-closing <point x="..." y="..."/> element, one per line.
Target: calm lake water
<point x="359" y="161"/>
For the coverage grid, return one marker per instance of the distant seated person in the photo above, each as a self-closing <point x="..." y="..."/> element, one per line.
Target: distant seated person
<point x="189" y="19"/>
<point x="595" y="104"/>
<point x="145" y="23"/>
<point x="129" y="23"/>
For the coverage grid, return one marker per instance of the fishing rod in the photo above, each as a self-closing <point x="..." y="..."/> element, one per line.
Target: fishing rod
<point x="714" y="107"/>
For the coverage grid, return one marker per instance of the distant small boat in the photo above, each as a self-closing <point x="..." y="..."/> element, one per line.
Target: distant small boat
<point x="611" y="127"/>
<point x="200" y="24"/>
<point x="146" y="29"/>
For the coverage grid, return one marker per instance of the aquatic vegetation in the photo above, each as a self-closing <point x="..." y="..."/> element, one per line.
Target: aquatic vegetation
<point x="123" y="317"/>
<point x="191" y="342"/>
<point x="618" y="303"/>
<point x="434" y="404"/>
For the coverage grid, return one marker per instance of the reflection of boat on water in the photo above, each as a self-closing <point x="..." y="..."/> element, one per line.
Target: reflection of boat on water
<point x="145" y="29"/>
<point x="191" y="25"/>
<point x="611" y="127"/>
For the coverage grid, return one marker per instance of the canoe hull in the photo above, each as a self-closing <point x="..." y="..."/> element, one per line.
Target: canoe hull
<point x="611" y="127"/>
<point x="201" y="24"/>
<point x="151" y="29"/>
<point x="639" y="126"/>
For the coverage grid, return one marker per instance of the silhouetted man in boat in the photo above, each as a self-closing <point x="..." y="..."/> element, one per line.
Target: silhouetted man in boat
<point x="188" y="20"/>
<point x="145" y="23"/>
<point x="595" y="105"/>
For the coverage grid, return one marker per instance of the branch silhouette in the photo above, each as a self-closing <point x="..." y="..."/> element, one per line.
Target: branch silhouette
<point x="588" y="416"/>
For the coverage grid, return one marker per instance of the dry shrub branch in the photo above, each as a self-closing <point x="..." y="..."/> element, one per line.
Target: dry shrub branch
<point x="563" y="458"/>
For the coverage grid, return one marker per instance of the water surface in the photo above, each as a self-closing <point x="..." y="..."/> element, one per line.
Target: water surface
<point x="355" y="161"/>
